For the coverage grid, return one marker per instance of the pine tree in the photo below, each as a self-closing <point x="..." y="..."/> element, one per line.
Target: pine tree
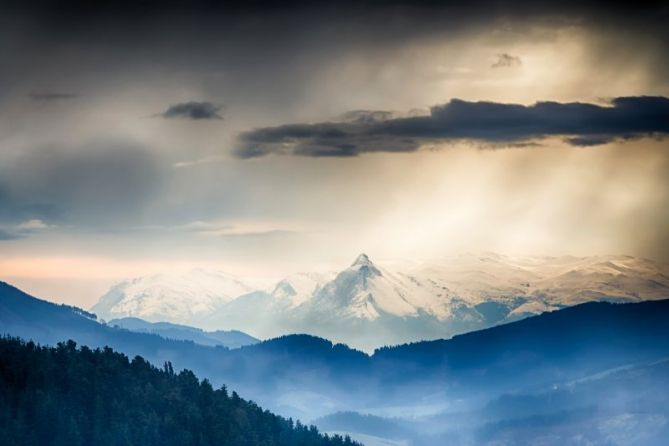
<point x="77" y="396"/>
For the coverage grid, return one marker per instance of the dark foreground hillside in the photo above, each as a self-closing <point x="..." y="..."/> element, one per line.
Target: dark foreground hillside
<point x="68" y="396"/>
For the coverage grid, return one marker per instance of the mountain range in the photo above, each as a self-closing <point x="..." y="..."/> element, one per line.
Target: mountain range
<point x="592" y="373"/>
<point x="229" y="338"/>
<point x="367" y="305"/>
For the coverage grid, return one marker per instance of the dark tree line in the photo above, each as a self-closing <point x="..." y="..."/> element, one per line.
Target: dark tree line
<point x="72" y="396"/>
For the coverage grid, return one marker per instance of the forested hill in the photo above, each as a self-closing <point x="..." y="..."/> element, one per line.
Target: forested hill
<point x="72" y="396"/>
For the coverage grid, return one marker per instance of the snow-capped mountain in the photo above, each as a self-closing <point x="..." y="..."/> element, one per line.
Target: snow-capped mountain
<point x="367" y="305"/>
<point x="367" y="291"/>
<point x="180" y="298"/>
<point x="298" y="288"/>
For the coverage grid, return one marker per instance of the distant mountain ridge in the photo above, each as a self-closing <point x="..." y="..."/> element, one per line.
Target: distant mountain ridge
<point x="180" y="298"/>
<point x="367" y="305"/>
<point x="229" y="338"/>
<point x="306" y="376"/>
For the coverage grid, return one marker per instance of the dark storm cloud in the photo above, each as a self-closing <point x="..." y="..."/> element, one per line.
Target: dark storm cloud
<point x="581" y="124"/>
<point x="194" y="26"/>
<point x="193" y="110"/>
<point x="505" y="60"/>
<point x="145" y="8"/>
<point x="116" y="42"/>
<point x="366" y="116"/>
<point x="53" y="96"/>
<point x="103" y="184"/>
<point x="588" y="140"/>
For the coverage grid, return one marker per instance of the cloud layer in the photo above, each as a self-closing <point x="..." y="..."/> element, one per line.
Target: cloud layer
<point x="21" y="230"/>
<point x="505" y="60"/>
<point x="102" y="183"/>
<point x="581" y="124"/>
<point x="193" y="110"/>
<point x="53" y="96"/>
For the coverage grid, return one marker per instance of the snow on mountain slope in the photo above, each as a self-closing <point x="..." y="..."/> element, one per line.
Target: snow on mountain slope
<point x="181" y="298"/>
<point x="367" y="305"/>
<point x="365" y="290"/>
<point x="476" y="278"/>
<point x="297" y="288"/>
<point x="563" y="281"/>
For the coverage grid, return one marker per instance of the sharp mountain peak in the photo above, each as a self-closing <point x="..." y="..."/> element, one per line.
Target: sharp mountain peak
<point x="364" y="264"/>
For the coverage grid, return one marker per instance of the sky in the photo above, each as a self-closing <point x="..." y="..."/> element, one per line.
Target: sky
<point x="263" y="139"/>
